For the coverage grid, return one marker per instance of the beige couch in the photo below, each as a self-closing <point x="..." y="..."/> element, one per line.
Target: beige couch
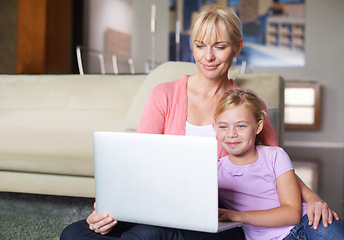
<point x="47" y="122"/>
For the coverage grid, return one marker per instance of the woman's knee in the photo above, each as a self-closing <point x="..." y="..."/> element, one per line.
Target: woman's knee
<point x="75" y="231"/>
<point x="145" y="232"/>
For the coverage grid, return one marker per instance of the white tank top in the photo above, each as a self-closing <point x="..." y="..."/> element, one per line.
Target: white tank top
<point x="203" y="131"/>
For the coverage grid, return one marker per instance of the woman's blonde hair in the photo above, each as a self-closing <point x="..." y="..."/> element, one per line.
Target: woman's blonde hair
<point x="246" y="98"/>
<point x="215" y="21"/>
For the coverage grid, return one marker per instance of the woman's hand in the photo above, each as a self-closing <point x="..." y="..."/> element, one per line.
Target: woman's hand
<point x="316" y="209"/>
<point x="100" y="223"/>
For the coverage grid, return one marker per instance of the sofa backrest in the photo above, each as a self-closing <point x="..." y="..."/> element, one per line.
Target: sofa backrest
<point x="54" y="116"/>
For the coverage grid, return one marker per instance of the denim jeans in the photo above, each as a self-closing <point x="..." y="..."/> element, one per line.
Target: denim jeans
<point x="129" y="231"/>
<point x="303" y="231"/>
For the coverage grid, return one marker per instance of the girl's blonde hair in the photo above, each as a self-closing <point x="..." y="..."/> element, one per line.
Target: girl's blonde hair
<point x="246" y="98"/>
<point x="215" y="21"/>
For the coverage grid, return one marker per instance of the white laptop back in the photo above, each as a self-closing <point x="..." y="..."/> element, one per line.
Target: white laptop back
<point x="162" y="180"/>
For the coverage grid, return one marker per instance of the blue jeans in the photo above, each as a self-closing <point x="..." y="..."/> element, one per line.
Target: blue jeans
<point x="303" y="231"/>
<point x="129" y="231"/>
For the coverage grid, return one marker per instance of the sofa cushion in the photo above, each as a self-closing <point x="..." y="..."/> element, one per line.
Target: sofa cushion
<point x="47" y="121"/>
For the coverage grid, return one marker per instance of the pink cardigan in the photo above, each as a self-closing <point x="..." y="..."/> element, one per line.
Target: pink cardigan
<point x="166" y="109"/>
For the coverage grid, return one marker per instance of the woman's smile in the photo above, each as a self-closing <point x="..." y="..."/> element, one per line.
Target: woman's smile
<point x="210" y="66"/>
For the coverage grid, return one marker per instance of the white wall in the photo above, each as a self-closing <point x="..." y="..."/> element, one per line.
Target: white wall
<point x="132" y="17"/>
<point x="114" y="14"/>
<point x="324" y="64"/>
<point x="142" y="36"/>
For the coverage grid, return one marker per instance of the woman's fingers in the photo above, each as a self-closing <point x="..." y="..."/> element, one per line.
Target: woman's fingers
<point x="320" y="210"/>
<point x="100" y="223"/>
<point x="105" y="226"/>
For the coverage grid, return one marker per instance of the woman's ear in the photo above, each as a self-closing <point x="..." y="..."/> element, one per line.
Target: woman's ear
<point x="239" y="47"/>
<point x="260" y="126"/>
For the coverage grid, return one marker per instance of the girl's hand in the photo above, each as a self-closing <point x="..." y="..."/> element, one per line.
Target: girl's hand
<point x="316" y="209"/>
<point x="226" y="215"/>
<point x="100" y="223"/>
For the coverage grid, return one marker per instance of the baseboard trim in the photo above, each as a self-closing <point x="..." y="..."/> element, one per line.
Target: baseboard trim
<point x="334" y="145"/>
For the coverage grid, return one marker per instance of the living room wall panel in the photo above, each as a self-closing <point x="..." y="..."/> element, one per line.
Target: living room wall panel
<point x="44" y="36"/>
<point x="8" y="36"/>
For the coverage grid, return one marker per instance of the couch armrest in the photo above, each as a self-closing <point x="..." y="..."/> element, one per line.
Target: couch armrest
<point x="274" y="115"/>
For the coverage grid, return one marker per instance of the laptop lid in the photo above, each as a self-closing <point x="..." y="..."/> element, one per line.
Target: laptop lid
<point x="162" y="180"/>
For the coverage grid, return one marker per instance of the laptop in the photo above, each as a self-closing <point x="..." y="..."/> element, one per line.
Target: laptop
<point x="162" y="180"/>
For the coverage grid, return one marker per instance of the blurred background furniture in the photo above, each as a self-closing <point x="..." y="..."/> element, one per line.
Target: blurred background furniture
<point x="92" y="61"/>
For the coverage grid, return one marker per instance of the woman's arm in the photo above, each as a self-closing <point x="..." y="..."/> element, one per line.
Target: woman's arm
<point x="316" y="208"/>
<point x="288" y="213"/>
<point x="153" y="116"/>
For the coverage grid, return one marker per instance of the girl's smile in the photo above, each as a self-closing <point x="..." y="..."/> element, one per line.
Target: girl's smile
<point x="236" y="130"/>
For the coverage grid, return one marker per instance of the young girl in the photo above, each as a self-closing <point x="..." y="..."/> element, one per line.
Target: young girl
<point x="257" y="184"/>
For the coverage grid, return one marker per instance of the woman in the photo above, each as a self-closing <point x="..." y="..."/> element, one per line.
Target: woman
<point x="187" y="106"/>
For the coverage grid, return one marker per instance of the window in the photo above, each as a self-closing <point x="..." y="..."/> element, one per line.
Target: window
<point x="302" y="105"/>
